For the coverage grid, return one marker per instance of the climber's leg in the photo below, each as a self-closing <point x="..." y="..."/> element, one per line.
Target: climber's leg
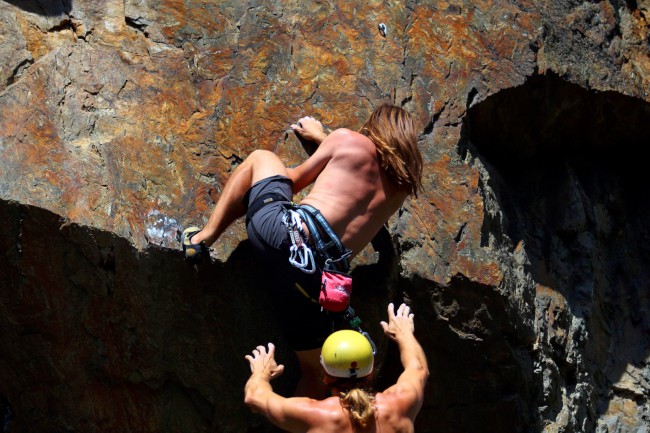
<point x="259" y="165"/>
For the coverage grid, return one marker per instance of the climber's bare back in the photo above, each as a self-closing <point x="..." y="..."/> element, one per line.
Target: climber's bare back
<point x="352" y="191"/>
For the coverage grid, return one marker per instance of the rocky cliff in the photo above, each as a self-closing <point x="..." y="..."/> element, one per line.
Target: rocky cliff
<point x="525" y="258"/>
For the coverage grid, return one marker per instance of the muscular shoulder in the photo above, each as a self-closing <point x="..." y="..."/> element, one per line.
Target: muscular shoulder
<point x="348" y="135"/>
<point x="347" y="140"/>
<point x="399" y="398"/>
<point x="326" y="415"/>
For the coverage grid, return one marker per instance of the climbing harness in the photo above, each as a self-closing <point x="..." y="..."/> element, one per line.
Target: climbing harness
<point x="326" y="253"/>
<point x="262" y="201"/>
<point x="330" y="255"/>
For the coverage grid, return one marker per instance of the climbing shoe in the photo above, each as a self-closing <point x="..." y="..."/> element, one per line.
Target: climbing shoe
<point x="194" y="253"/>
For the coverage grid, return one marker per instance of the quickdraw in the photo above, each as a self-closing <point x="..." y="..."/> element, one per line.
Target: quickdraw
<point x="300" y="255"/>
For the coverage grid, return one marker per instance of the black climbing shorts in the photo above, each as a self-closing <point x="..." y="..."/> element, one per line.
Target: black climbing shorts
<point x="305" y="325"/>
<point x="265" y="229"/>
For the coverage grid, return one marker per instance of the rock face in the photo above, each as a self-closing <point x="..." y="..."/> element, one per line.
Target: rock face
<point x="525" y="258"/>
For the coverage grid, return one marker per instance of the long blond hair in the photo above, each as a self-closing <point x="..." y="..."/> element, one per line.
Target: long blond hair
<point x="355" y="397"/>
<point x="393" y="132"/>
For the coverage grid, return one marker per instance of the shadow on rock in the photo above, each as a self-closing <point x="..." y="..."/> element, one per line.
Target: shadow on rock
<point x="45" y="8"/>
<point x="478" y="358"/>
<point x="6" y="414"/>
<point x="88" y="323"/>
<point x="559" y="176"/>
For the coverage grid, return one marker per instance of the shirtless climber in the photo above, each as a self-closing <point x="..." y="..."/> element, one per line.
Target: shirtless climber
<point x="359" y="180"/>
<point x="347" y="361"/>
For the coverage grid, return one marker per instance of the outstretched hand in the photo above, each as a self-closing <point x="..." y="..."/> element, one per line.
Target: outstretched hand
<point x="263" y="363"/>
<point x="400" y="323"/>
<point x="309" y="129"/>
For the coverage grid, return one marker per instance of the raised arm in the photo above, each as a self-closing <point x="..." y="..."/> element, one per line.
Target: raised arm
<point x="409" y="389"/>
<point x="290" y="414"/>
<point x="307" y="172"/>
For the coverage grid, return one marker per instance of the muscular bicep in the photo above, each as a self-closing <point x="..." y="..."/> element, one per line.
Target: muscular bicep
<point x="290" y="414"/>
<point x="409" y="391"/>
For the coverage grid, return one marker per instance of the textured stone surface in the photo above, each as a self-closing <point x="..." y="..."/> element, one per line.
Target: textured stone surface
<point x="524" y="258"/>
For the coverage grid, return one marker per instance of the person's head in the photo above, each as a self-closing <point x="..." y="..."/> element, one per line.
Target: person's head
<point x="392" y="129"/>
<point x="347" y="354"/>
<point x="348" y="359"/>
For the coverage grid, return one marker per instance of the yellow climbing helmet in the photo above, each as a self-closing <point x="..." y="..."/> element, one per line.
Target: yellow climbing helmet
<point x="347" y="354"/>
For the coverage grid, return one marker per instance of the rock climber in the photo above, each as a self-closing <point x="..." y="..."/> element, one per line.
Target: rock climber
<point x="347" y="360"/>
<point x="359" y="180"/>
